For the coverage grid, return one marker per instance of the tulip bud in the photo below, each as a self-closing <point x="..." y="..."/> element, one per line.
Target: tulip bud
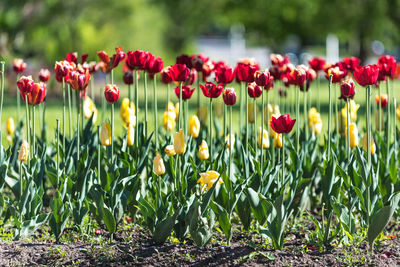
<point x="130" y="135"/>
<point x="347" y="90"/>
<point x="169" y="120"/>
<point x="194" y="126"/>
<point x="88" y="107"/>
<point x="169" y="150"/>
<point x="250" y="114"/>
<point x="111" y="93"/>
<point x="398" y="112"/>
<point x="207" y="179"/>
<point x="128" y="77"/>
<point x="105" y="134"/>
<point x="23" y="152"/>
<point x="277" y="140"/>
<point x="264" y="137"/>
<point x="158" y="165"/>
<point x="179" y="142"/>
<point x="230" y="140"/>
<point x="384" y="100"/>
<point x="254" y="90"/>
<point x="25" y="84"/>
<point x="44" y="75"/>
<point x="229" y="96"/>
<point x="203" y="151"/>
<point x="10" y="126"/>
<point x="19" y="65"/>
<point x="365" y="142"/>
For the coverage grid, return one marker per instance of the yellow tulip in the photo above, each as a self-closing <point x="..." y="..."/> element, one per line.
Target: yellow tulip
<point x="169" y="120"/>
<point x="176" y="110"/>
<point x="179" y="142"/>
<point x="127" y="113"/>
<point x="207" y="179"/>
<point x="353" y="135"/>
<point x="250" y="114"/>
<point x="105" y="134"/>
<point x="228" y="142"/>
<point x="265" y="138"/>
<point x="10" y="126"/>
<point x="272" y="109"/>
<point x="130" y="135"/>
<point x="88" y="107"/>
<point x="314" y="121"/>
<point x="158" y="165"/>
<point x="172" y="110"/>
<point x="23" y="152"/>
<point x="203" y="151"/>
<point x="202" y="113"/>
<point x="194" y="126"/>
<point x="364" y="144"/>
<point x="277" y="140"/>
<point x="169" y="150"/>
<point x="342" y="118"/>
<point x="398" y="112"/>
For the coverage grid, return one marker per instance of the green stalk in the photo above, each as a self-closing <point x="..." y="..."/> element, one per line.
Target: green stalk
<point x="34" y="130"/>
<point x="330" y="116"/>
<point x="20" y="187"/>
<point x="198" y="94"/>
<point x="27" y="127"/>
<point x="91" y="88"/>
<point x="255" y="125"/>
<point x="348" y="130"/>
<point x="98" y="155"/>
<point x="283" y="161"/>
<point x="103" y="103"/>
<point x="368" y="98"/>
<point x="210" y="137"/>
<point x="298" y="118"/>
<point x="388" y="130"/>
<point x="78" y="129"/>
<point x="186" y="112"/>
<point x="145" y="104"/>
<point x="318" y="98"/>
<point x="336" y="111"/>
<point x="380" y="108"/>
<point x="58" y="148"/>
<point x="230" y="143"/>
<point x="305" y="113"/>
<point x="129" y="94"/>
<point x="70" y="111"/>
<point x="63" y="93"/>
<point x="112" y="131"/>
<point x="247" y="123"/>
<point x="155" y="109"/>
<point x="19" y="104"/>
<point x="262" y="127"/>
<point x="168" y="95"/>
<point x="395" y="123"/>
<point x="2" y="94"/>
<point x="137" y="112"/>
<point x="241" y="107"/>
<point x="180" y="106"/>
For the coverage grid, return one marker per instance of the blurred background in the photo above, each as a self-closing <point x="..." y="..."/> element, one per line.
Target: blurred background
<point x="45" y="30"/>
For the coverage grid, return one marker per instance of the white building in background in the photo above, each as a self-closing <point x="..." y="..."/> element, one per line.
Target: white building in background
<point x="231" y="49"/>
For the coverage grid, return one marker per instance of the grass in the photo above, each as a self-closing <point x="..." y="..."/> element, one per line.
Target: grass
<point x="54" y="105"/>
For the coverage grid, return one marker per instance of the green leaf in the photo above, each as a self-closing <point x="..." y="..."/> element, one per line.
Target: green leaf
<point x="163" y="229"/>
<point x="109" y="220"/>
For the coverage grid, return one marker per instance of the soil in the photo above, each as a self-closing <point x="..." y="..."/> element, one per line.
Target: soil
<point x="134" y="247"/>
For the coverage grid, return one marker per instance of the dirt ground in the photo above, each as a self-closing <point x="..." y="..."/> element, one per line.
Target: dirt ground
<point x="135" y="248"/>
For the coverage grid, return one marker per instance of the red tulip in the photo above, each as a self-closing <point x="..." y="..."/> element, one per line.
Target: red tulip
<point x="155" y="65"/>
<point x="387" y="65"/>
<point x="19" y="65"/>
<point x="136" y="59"/>
<point x="224" y="75"/>
<point x="349" y="63"/>
<point x="279" y="60"/>
<point x="198" y="61"/>
<point x="117" y="57"/>
<point x="72" y="57"/>
<point x="317" y="63"/>
<point x="254" y="90"/>
<point x="219" y="64"/>
<point x="111" y="93"/>
<point x="384" y="100"/>
<point x="229" y="96"/>
<point x="128" y="77"/>
<point x="184" y="59"/>
<point x="25" y="84"/>
<point x="166" y="75"/>
<point x="103" y="56"/>
<point x="62" y="69"/>
<point x="282" y="124"/>
<point x="37" y="95"/>
<point x="311" y="76"/>
<point x="208" y="68"/>
<point x="270" y="84"/>
<point x="211" y="90"/>
<point x="44" y="75"/>
<point x="245" y="72"/>
<point x="298" y="76"/>
<point x="367" y="75"/>
<point x="186" y="92"/>
<point x="262" y="78"/>
<point x="347" y="90"/>
<point x="192" y="77"/>
<point x="337" y="74"/>
<point x="179" y="72"/>
<point x="79" y="81"/>
<point x="93" y="67"/>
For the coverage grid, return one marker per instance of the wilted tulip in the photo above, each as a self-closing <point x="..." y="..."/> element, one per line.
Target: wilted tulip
<point x="367" y="75"/>
<point x="208" y="179"/>
<point x="158" y="165"/>
<point x="111" y="93"/>
<point x="179" y="142"/>
<point x="203" y="151"/>
<point x="44" y="75"/>
<point x="364" y="142"/>
<point x="229" y="96"/>
<point x="186" y="92"/>
<point x="19" y="65"/>
<point x="23" y="152"/>
<point x="105" y="134"/>
<point x="37" y="95"/>
<point x="282" y="124"/>
<point x="194" y="126"/>
<point x="10" y="126"/>
<point x="169" y="150"/>
<point x="25" y="84"/>
<point x="264" y="137"/>
<point x="130" y="135"/>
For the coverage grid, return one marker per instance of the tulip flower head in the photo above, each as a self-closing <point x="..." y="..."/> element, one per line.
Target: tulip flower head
<point x="314" y="121"/>
<point x="384" y="100"/>
<point x="353" y="135"/>
<point x="79" y="81"/>
<point x="111" y="93"/>
<point x="169" y="120"/>
<point x="25" y="84"/>
<point x="170" y="150"/>
<point x="263" y="138"/>
<point x="208" y="68"/>
<point x="62" y="70"/>
<point x="89" y="109"/>
<point x="207" y="179"/>
<point x="203" y="151"/>
<point x="245" y="72"/>
<point x="127" y="112"/>
<point x="128" y="77"/>
<point x="130" y="135"/>
<point x="347" y="90"/>
<point x="19" y="65"/>
<point x="179" y="72"/>
<point x="254" y="90"/>
<point x="367" y="75"/>
<point x="44" y="75"/>
<point x="184" y="60"/>
<point x="186" y="92"/>
<point x="398" y="112"/>
<point x="262" y="78"/>
<point x="10" y="126"/>
<point x="37" y="95"/>
<point x="229" y="96"/>
<point x="212" y="90"/>
<point x="317" y="63"/>
<point x="387" y="65"/>
<point x="194" y="126"/>
<point x="350" y="63"/>
<point x="155" y="65"/>
<point x="277" y="140"/>
<point x="198" y="61"/>
<point x="282" y="124"/>
<point x="116" y="59"/>
<point x="158" y="165"/>
<point x="105" y="134"/>
<point x="179" y="142"/>
<point x="23" y="152"/>
<point x="298" y="76"/>
<point x="166" y="75"/>
<point x="279" y="60"/>
<point x="224" y="75"/>
<point x="336" y="72"/>
<point x="364" y="143"/>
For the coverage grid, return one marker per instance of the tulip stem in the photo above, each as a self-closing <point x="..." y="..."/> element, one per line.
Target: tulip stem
<point x="180" y="106"/>
<point x="247" y="123"/>
<point x="2" y="94"/>
<point x="224" y="121"/>
<point x="210" y="137"/>
<point x="198" y="95"/>
<point x="92" y="88"/>
<point x="241" y="107"/>
<point x="19" y="104"/>
<point x="186" y="112"/>
<point x="298" y="117"/>
<point x="103" y="104"/>
<point x="230" y="143"/>
<point x="305" y="113"/>
<point x="255" y="126"/>
<point x="63" y="132"/>
<point x="27" y="127"/>
<point x="368" y="124"/>
<point x="58" y="148"/>
<point x="98" y="154"/>
<point x="129" y="94"/>
<point x="168" y="96"/>
<point x="112" y="131"/>
<point x="395" y="123"/>
<point x="330" y="116"/>
<point x="283" y="161"/>
<point x="155" y="109"/>
<point x="262" y="127"/>
<point x="145" y="104"/>
<point x="70" y="111"/>
<point x="380" y="109"/>
<point x="136" y="79"/>
<point x="318" y="99"/>
<point x="34" y="130"/>
<point x="348" y="130"/>
<point x="388" y="130"/>
<point x="336" y="111"/>
<point x="78" y="129"/>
